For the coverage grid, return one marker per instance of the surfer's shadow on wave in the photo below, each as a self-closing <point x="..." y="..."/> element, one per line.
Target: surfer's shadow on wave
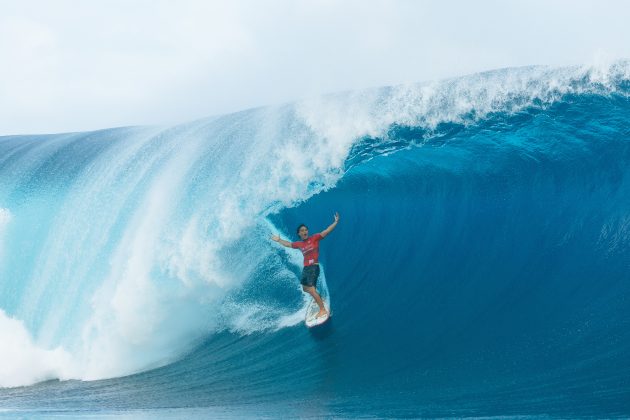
<point x="323" y="331"/>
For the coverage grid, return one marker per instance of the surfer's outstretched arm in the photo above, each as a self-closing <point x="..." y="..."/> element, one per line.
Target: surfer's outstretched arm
<point x="281" y="241"/>
<point x="331" y="227"/>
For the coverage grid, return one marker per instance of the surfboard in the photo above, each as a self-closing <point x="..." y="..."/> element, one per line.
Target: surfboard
<point x="311" y="311"/>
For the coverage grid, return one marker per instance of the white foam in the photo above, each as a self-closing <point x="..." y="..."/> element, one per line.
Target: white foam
<point x="139" y="321"/>
<point x="23" y="362"/>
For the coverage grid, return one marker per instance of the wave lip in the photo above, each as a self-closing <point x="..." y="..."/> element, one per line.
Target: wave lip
<point x="460" y="100"/>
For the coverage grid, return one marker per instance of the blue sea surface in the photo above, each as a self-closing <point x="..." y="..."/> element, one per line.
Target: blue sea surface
<point x="481" y="266"/>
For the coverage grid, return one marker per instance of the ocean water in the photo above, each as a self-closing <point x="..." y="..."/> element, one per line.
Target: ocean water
<point x="481" y="266"/>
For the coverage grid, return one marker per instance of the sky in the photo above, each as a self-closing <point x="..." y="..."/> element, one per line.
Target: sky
<point x="70" y="65"/>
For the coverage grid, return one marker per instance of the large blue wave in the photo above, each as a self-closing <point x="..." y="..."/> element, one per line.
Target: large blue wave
<point x="480" y="266"/>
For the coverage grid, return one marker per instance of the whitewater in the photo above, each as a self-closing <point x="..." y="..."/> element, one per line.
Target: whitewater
<point x="480" y="266"/>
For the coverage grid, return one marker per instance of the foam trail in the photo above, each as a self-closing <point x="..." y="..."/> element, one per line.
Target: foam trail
<point x="250" y="317"/>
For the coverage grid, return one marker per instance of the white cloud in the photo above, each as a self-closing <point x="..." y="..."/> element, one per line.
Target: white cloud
<point x="70" y="65"/>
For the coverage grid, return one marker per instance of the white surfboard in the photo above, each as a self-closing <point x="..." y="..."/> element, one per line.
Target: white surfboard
<point x="311" y="311"/>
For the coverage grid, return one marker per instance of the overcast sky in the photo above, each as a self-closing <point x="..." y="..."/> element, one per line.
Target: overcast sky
<point x="80" y="65"/>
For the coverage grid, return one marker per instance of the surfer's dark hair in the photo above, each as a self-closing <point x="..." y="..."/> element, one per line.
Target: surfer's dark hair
<point x="300" y="227"/>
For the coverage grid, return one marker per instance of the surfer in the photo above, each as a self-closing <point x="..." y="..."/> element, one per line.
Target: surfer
<point x="310" y="249"/>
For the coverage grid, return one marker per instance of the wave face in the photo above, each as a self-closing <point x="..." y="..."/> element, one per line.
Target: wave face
<point x="480" y="266"/>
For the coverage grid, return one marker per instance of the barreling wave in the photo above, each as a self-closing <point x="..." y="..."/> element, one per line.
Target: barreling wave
<point x="483" y="248"/>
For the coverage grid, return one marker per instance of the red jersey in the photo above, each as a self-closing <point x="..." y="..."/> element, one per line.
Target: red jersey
<point x="310" y="248"/>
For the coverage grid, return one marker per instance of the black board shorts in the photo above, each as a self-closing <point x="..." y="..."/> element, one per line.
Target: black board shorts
<point x="310" y="275"/>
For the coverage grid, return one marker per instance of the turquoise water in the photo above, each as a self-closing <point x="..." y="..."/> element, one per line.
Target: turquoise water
<point x="480" y="267"/>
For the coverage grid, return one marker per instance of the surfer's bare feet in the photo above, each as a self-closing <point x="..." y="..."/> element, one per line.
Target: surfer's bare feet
<point x="321" y="313"/>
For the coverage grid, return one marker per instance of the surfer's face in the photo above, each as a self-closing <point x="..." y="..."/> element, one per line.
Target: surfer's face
<point x="303" y="232"/>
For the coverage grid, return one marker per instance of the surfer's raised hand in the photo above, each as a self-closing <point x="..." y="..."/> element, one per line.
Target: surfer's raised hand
<point x="276" y="238"/>
<point x="331" y="227"/>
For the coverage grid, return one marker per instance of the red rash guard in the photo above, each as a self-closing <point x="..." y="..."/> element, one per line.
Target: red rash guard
<point x="310" y="249"/>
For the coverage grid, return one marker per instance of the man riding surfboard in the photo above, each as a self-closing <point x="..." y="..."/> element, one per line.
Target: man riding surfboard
<point x="310" y="249"/>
